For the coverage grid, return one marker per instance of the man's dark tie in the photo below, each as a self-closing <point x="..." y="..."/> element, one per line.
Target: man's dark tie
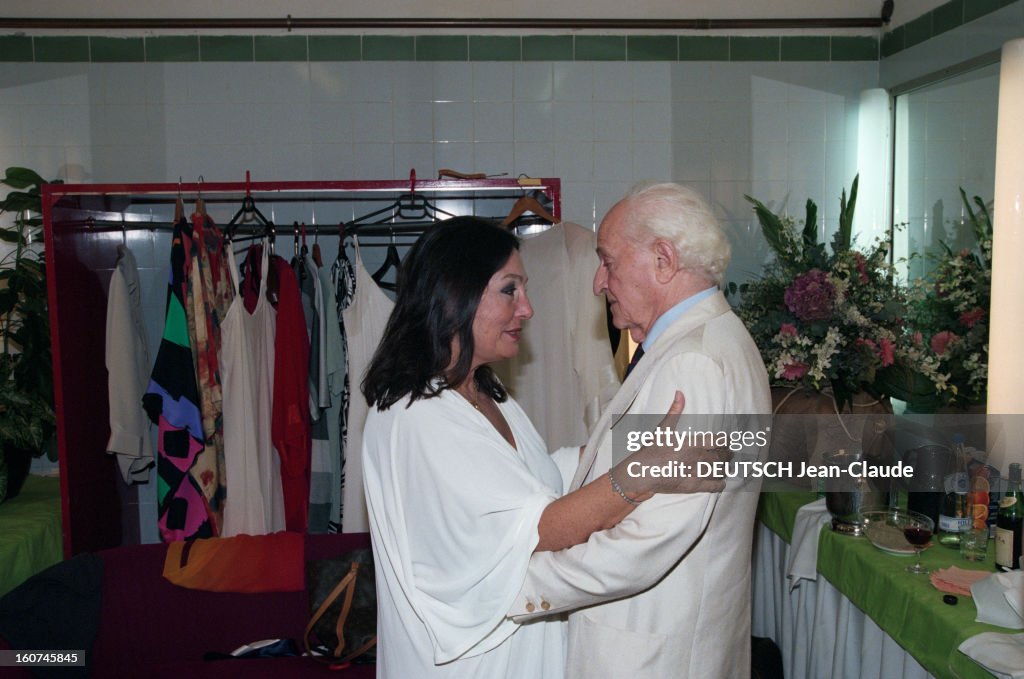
<point x="637" y="355"/>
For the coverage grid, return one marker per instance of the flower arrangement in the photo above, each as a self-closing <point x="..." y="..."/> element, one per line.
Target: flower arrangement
<point x="947" y="319"/>
<point x="824" y="320"/>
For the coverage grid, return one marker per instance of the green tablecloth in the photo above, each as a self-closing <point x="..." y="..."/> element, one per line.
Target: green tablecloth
<point x="30" y="531"/>
<point x="906" y="606"/>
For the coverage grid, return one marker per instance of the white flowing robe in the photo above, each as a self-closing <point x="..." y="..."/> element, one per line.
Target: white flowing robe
<point x="453" y="512"/>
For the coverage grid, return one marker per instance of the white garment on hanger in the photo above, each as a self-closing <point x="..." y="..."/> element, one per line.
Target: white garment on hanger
<point x="127" y="360"/>
<point x="365" y="319"/>
<point x="254" y="504"/>
<point x="564" y="373"/>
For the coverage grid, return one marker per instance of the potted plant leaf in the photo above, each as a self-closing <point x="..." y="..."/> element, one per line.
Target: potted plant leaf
<point x="27" y="423"/>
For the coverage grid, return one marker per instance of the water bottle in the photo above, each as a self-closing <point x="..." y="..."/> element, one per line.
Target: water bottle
<point x="955" y="514"/>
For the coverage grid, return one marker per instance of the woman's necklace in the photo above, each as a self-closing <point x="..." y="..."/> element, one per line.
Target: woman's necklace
<point x="472" y="401"/>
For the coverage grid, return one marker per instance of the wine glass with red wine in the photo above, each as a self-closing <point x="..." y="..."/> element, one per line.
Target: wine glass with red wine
<point x="917" y="529"/>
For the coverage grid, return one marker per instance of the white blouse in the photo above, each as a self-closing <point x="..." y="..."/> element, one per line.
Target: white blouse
<point x="453" y="512"/>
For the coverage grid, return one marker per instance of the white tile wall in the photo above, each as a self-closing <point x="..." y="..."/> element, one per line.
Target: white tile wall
<point x="771" y="130"/>
<point x="493" y="81"/>
<point x="588" y="122"/>
<point x="573" y="81"/>
<point x="780" y="132"/>
<point x="533" y="82"/>
<point x="413" y="121"/>
<point x="453" y="81"/>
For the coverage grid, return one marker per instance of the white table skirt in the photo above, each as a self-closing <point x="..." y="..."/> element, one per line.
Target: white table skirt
<point x="820" y="632"/>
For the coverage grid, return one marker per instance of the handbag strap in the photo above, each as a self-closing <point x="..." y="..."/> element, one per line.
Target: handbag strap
<point x="347" y="585"/>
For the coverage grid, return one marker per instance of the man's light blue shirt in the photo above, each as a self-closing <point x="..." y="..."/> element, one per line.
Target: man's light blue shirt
<point x="670" y="316"/>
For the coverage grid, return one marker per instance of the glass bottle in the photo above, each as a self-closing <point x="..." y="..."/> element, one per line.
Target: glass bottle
<point x="955" y="515"/>
<point x="1010" y="522"/>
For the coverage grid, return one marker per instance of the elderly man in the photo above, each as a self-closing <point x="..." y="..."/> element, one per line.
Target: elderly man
<point x="666" y="593"/>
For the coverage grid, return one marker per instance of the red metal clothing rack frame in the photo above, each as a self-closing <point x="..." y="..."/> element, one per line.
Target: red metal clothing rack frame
<point x="80" y="262"/>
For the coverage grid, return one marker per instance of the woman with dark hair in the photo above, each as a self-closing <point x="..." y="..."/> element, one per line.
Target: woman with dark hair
<point x="460" y="487"/>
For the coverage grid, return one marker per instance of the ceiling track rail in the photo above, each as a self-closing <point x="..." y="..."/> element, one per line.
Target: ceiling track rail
<point x="291" y="23"/>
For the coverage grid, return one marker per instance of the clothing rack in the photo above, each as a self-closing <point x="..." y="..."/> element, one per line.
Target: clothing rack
<point x="86" y="223"/>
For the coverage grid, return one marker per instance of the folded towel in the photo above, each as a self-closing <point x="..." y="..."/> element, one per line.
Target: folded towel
<point x="243" y="563"/>
<point x="802" y="561"/>
<point x="956" y="580"/>
<point x="1001" y="654"/>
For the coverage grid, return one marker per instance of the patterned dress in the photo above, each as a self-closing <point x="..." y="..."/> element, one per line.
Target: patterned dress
<point x="172" y="403"/>
<point x="343" y="274"/>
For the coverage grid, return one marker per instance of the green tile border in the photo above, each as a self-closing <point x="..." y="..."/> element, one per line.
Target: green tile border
<point x="495" y="48"/>
<point x="652" y="48"/>
<point x="117" y="49"/>
<point x="547" y="48"/>
<point x="15" y="48"/>
<point x="892" y="42"/>
<point x="226" y="48"/>
<point x="704" y="48"/>
<point x="979" y="8"/>
<point x="947" y="17"/>
<point x="172" y="48"/>
<point x="335" y="48"/>
<point x="280" y="48"/>
<point x="442" y="48"/>
<point x="854" y="48"/>
<point x="525" y="48"/>
<point x="389" y="48"/>
<point x="181" y="48"/>
<point x="805" y="48"/>
<point x="754" y="49"/>
<point x="61" y="48"/>
<point x="944" y="18"/>
<point x="600" y="48"/>
<point x="918" y="30"/>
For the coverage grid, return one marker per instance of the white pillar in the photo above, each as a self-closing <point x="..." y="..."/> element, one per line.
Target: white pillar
<point x="1006" y="360"/>
<point x="874" y="132"/>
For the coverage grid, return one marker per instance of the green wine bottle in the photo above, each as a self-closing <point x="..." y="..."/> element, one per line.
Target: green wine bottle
<point x="1010" y="522"/>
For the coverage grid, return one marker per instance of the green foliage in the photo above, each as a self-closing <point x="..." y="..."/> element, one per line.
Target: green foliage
<point x="26" y="374"/>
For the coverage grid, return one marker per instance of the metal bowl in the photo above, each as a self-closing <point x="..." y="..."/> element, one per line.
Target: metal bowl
<point x="847" y="495"/>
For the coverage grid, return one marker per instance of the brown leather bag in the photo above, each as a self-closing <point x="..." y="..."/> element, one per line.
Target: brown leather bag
<point x="343" y="598"/>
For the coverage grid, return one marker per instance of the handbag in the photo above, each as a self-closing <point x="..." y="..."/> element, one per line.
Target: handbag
<point x="343" y="600"/>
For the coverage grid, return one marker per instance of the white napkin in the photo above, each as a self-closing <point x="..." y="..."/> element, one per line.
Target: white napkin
<point x="1000" y="598"/>
<point x="1014" y="593"/>
<point x="802" y="561"/>
<point x="1001" y="654"/>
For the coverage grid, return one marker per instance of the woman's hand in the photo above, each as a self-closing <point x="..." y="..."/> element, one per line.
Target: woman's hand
<point x="632" y="475"/>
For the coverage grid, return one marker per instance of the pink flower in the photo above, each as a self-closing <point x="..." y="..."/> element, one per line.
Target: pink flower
<point x="870" y="344"/>
<point x="794" y="370"/>
<point x="887" y="351"/>
<point x="918" y="338"/>
<point x="941" y="341"/>
<point x="787" y="330"/>
<point x="969" y="319"/>
<point x="811" y="296"/>
<point x="862" y="267"/>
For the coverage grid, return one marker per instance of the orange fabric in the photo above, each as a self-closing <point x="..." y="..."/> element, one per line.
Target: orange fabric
<point x="243" y="563"/>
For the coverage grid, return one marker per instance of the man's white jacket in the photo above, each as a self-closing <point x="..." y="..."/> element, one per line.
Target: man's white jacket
<point x="666" y="592"/>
